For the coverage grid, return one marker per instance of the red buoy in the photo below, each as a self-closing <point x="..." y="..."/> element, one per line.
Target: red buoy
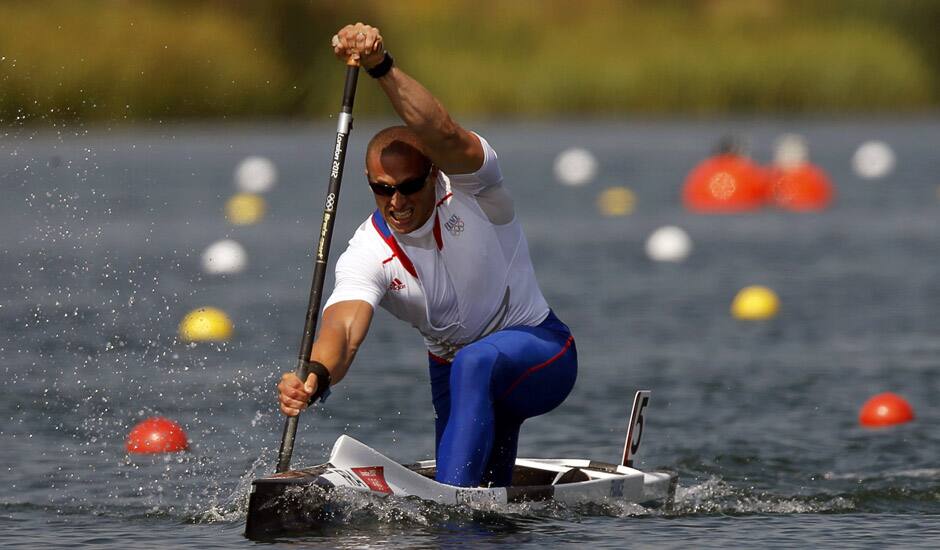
<point x="885" y="409"/>
<point x="725" y="183"/>
<point x="803" y="188"/>
<point x="157" y="435"/>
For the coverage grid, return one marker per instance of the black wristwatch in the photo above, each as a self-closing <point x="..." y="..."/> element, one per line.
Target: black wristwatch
<point x="383" y="67"/>
<point x="323" y="380"/>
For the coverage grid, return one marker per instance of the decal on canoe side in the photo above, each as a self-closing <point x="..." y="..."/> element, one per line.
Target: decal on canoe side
<point x="350" y="479"/>
<point x="616" y="488"/>
<point x="374" y="477"/>
<point x="484" y="498"/>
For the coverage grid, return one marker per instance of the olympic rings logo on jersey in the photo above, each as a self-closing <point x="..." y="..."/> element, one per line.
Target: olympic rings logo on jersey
<point x="454" y="225"/>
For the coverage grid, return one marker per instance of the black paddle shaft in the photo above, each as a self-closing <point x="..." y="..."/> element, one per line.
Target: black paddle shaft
<point x="343" y="126"/>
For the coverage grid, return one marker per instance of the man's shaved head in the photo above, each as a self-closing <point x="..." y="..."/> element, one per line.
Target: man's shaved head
<point x="395" y="141"/>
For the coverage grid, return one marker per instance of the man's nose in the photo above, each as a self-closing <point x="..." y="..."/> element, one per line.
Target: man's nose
<point x="398" y="200"/>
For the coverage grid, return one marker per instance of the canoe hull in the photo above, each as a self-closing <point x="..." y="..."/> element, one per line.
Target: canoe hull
<point x="295" y="501"/>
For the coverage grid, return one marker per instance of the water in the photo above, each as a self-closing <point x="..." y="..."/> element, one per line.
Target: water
<point x="99" y="260"/>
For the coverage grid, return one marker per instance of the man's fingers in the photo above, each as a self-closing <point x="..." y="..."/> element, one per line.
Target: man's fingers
<point x="292" y="391"/>
<point x="289" y="411"/>
<point x="294" y="397"/>
<point x="295" y="393"/>
<point x="338" y="49"/>
<point x="311" y="385"/>
<point x="349" y="47"/>
<point x="290" y="380"/>
<point x="373" y="42"/>
<point x="298" y="404"/>
<point x="356" y="41"/>
<point x="362" y="28"/>
<point x="338" y="43"/>
<point x="343" y="39"/>
<point x="348" y="35"/>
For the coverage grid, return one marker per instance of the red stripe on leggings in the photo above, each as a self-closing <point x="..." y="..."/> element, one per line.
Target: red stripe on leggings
<point x="438" y="359"/>
<point x="538" y="367"/>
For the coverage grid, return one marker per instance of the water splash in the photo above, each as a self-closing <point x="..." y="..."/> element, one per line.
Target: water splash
<point x="715" y="496"/>
<point x="914" y="473"/>
<point x="342" y="507"/>
<point x="234" y="507"/>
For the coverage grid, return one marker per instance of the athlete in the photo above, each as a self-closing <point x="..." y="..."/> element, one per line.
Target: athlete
<point x="444" y="252"/>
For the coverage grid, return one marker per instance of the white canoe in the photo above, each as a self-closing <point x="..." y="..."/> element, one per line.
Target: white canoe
<point x="280" y="504"/>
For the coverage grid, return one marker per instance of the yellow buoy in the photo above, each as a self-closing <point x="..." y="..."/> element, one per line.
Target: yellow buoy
<point x="616" y="201"/>
<point x="206" y="324"/>
<point x="245" y="209"/>
<point x="755" y="303"/>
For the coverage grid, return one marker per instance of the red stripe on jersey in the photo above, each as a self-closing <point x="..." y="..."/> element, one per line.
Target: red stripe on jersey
<point x="397" y="252"/>
<point x="444" y="198"/>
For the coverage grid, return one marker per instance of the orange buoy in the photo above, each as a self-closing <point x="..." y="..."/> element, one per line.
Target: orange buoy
<point x="804" y="188"/>
<point x="725" y="183"/>
<point x="885" y="409"/>
<point x="157" y="435"/>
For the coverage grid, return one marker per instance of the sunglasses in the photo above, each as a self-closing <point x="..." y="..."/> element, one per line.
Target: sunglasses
<point x="407" y="187"/>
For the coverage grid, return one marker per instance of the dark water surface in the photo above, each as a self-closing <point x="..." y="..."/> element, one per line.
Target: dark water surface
<point x="100" y="237"/>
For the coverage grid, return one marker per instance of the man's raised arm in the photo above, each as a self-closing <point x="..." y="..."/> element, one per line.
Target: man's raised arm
<point x="452" y="148"/>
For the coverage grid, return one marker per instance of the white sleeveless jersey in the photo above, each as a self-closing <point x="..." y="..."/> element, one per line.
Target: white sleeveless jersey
<point x="458" y="277"/>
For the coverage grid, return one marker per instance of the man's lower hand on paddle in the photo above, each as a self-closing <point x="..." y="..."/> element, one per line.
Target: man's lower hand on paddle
<point x="293" y="395"/>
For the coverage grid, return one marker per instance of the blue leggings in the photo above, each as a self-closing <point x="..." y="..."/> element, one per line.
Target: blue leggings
<point x="491" y="387"/>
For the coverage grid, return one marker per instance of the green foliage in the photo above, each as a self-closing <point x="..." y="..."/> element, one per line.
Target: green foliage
<point x="156" y="60"/>
<point x="117" y="61"/>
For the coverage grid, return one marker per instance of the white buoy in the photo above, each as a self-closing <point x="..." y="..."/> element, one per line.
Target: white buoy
<point x="668" y="244"/>
<point x="790" y="151"/>
<point x="873" y="159"/>
<point x="223" y="257"/>
<point x="575" y="166"/>
<point x="255" y="175"/>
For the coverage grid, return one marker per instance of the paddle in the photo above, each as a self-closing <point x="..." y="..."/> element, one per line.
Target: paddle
<point x="343" y="126"/>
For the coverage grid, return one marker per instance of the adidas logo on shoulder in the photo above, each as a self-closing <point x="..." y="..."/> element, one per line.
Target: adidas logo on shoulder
<point x="396" y="284"/>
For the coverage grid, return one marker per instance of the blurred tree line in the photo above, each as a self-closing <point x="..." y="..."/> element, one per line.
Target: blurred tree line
<point x="156" y="60"/>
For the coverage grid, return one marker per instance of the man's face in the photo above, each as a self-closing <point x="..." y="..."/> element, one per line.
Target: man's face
<point x="403" y="213"/>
